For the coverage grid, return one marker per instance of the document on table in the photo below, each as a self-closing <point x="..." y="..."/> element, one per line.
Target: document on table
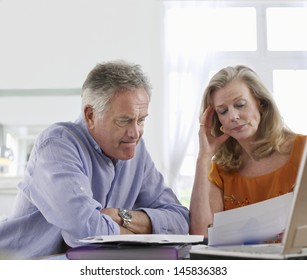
<point x="255" y="223"/>
<point x="145" y="239"/>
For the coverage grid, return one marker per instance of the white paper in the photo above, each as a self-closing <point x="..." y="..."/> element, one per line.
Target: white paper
<point x="255" y="223"/>
<point x="145" y="238"/>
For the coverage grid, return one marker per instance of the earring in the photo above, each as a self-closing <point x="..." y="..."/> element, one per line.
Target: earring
<point x="222" y="128"/>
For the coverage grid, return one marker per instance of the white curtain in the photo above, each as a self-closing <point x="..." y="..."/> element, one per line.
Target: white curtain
<point x="187" y="63"/>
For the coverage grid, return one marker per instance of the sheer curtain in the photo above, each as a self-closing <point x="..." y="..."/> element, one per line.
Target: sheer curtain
<point x="189" y="45"/>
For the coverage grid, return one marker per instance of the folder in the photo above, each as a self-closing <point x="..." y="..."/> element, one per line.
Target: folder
<point x="129" y="252"/>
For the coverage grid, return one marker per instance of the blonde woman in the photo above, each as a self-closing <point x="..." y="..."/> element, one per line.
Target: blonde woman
<point x="246" y="153"/>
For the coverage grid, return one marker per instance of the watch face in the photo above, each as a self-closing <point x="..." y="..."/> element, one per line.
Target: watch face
<point x="127" y="215"/>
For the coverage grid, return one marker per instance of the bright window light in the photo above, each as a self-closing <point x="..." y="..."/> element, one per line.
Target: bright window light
<point x="290" y="91"/>
<point x="195" y="30"/>
<point x="287" y="29"/>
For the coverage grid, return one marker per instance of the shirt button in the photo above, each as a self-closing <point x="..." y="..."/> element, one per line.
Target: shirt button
<point x="110" y="163"/>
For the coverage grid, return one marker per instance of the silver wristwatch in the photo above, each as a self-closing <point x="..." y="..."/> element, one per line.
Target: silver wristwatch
<point x="126" y="216"/>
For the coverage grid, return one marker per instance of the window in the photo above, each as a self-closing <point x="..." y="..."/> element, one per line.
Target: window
<point x="201" y="37"/>
<point x="292" y="83"/>
<point x="286" y="29"/>
<point x="211" y="28"/>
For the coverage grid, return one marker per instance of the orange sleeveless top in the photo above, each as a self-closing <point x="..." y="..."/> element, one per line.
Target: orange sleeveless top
<point x="243" y="190"/>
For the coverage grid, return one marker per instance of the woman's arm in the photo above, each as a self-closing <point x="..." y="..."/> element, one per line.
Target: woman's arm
<point x="206" y="197"/>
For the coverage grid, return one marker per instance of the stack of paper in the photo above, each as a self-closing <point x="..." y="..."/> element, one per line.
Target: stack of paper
<point x="145" y="239"/>
<point x="256" y="223"/>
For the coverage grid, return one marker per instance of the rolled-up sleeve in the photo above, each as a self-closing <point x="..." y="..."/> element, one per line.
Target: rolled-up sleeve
<point x="59" y="187"/>
<point x="167" y="214"/>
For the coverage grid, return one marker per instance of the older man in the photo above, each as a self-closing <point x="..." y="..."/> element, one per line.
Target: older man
<point x="94" y="176"/>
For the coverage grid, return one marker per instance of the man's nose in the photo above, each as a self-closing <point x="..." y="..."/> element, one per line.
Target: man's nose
<point x="134" y="130"/>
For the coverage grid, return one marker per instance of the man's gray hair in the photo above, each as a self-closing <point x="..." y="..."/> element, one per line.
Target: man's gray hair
<point x="109" y="78"/>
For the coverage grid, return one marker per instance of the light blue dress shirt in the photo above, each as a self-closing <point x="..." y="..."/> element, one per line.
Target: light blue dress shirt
<point x="69" y="179"/>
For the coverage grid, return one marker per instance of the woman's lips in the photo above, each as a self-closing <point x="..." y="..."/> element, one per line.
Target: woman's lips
<point x="239" y="127"/>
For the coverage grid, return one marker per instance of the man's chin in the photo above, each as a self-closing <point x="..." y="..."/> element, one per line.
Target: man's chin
<point x="126" y="155"/>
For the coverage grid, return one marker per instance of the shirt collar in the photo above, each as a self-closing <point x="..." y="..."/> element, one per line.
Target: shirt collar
<point x="81" y="123"/>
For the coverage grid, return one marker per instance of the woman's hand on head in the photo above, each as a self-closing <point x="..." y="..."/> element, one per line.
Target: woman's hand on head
<point x="209" y="144"/>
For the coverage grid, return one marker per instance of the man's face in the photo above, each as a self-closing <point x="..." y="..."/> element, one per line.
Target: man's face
<point x="120" y="127"/>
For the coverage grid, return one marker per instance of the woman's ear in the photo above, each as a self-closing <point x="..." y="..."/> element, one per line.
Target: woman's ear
<point x="89" y="117"/>
<point x="262" y="105"/>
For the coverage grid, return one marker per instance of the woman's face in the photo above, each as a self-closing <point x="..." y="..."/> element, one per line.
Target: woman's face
<point x="237" y="110"/>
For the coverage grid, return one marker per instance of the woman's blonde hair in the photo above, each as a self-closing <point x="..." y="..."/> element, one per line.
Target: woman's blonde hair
<point x="271" y="133"/>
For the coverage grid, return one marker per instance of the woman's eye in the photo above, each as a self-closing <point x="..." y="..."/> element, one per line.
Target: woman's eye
<point x="222" y="111"/>
<point x="241" y="104"/>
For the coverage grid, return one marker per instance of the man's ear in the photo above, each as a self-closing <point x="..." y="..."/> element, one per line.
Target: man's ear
<point x="89" y="117"/>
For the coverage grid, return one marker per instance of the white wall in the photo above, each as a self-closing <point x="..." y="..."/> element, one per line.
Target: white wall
<point x="48" y="44"/>
<point x="53" y="44"/>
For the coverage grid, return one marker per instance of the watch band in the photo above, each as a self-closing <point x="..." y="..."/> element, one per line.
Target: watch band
<point x="125" y="216"/>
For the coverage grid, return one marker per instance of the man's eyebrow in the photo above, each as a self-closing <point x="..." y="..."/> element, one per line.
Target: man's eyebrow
<point x="126" y="117"/>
